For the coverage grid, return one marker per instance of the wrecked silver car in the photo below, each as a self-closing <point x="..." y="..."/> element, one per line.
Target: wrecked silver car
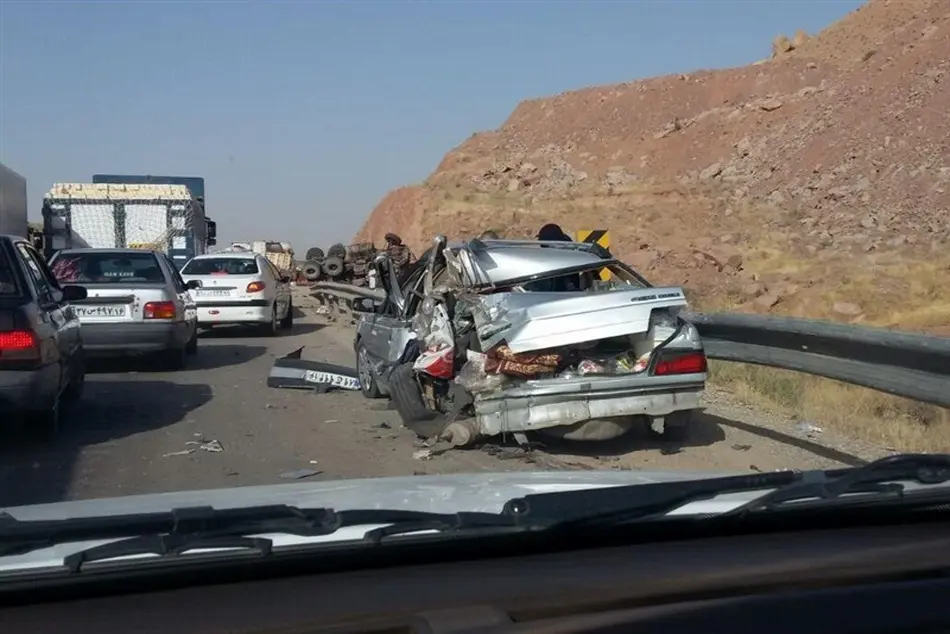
<point x="491" y="337"/>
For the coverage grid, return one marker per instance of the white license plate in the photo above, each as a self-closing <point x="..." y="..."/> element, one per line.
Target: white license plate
<point x="99" y="312"/>
<point x="213" y="293"/>
<point x="329" y="378"/>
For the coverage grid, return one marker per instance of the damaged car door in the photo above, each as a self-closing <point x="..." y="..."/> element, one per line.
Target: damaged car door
<point x="382" y="337"/>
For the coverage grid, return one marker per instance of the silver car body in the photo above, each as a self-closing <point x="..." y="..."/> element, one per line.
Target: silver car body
<point x="113" y="315"/>
<point x="494" y="278"/>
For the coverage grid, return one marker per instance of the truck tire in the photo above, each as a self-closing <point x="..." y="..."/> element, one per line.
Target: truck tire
<point x="333" y="266"/>
<point x="315" y="253"/>
<point x="312" y="271"/>
<point x="410" y="406"/>
<point x="337" y="250"/>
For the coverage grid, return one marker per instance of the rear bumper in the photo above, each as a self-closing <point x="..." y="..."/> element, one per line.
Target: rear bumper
<point x="542" y="404"/>
<point x="255" y="311"/>
<point x="134" y="338"/>
<point x="28" y="390"/>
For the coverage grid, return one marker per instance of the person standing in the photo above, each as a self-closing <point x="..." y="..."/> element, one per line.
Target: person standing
<point x="553" y="233"/>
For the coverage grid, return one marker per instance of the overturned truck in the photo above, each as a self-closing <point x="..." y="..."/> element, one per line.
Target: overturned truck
<point x="492" y="337"/>
<point x="345" y="264"/>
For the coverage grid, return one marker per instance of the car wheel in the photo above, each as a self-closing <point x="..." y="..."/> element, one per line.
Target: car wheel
<point x="364" y="370"/>
<point x="288" y="321"/>
<point x="410" y="405"/>
<point x="77" y="380"/>
<point x="192" y="347"/>
<point x="44" y="424"/>
<point x="174" y="359"/>
<point x="675" y="426"/>
<point x="272" y="328"/>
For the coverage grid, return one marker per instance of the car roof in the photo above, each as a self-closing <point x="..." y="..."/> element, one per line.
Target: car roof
<point x="505" y="260"/>
<point x="244" y="255"/>
<point x="115" y="251"/>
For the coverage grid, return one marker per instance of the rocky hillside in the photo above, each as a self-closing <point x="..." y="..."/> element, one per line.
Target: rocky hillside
<point x="816" y="182"/>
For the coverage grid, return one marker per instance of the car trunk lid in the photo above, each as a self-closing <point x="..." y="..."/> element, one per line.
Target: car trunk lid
<point x="538" y="321"/>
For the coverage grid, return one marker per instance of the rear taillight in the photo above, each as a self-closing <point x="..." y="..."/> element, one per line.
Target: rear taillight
<point x="680" y="363"/>
<point x="255" y="287"/>
<point x="159" y="310"/>
<point x="19" y="345"/>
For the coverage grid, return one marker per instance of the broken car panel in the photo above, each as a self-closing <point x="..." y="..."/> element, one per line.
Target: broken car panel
<point x="483" y="316"/>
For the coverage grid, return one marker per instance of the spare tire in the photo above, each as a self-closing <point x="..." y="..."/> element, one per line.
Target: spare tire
<point x="315" y="253"/>
<point x="333" y="266"/>
<point x="337" y="250"/>
<point x="311" y="271"/>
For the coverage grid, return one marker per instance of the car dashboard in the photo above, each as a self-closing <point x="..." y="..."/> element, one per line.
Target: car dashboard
<point x="872" y="579"/>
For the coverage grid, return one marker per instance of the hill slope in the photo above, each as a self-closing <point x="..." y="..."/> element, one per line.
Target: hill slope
<point x="815" y="183"/>
<point x="775" y="186"/>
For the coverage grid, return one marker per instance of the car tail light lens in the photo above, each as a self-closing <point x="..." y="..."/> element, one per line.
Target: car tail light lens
<point x="681" y="363"/>
<point x="19" y="345"/>
<point x="255" y="287"/>
<point x="159" y="310"/>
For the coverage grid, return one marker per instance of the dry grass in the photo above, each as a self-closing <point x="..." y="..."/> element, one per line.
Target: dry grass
<point x="852" y="411"/>
<point x="894" y="293"/>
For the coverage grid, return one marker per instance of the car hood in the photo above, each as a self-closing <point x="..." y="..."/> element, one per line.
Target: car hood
<point x="434" y="493"/>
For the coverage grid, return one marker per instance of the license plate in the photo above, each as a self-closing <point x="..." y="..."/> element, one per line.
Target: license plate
<point x="213" y="293"/>
<point x="100" y="311"/>
<point x="329" y="378"/>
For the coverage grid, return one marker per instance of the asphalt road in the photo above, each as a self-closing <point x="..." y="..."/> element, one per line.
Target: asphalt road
<point x="141" y="431"/>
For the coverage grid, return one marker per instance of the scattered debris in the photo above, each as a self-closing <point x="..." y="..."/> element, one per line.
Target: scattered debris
<point x="738" y="447"/>
<point x="808" y="429"/>
<point x="211" y="446"/>
<point x="294" y="372"/>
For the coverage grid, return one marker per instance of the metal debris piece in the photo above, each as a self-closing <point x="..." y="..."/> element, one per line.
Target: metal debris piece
<point x="178" y="453"/>
<point x="300" y="474"/>
<point x="212" y="446"/>
<point x="294" y="372"/>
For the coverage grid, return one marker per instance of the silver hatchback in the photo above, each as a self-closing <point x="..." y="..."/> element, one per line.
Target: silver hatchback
<point x="137" y="303"/>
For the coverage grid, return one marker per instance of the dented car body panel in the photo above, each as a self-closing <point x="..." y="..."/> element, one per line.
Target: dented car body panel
<point x="498" y="292"/>
<point x="536" y="321"/>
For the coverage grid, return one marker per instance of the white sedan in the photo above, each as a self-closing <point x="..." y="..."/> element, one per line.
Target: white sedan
<point x="240" y="288"/>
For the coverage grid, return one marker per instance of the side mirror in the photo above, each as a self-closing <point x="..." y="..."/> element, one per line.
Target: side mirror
<point x="193" y="284"/>
<point x="74" y="293"/>
<point x="284" y="279"/>
<point x="364" y="305"/>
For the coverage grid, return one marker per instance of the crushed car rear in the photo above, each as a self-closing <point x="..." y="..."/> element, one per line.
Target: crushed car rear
<point x="586" y="361"/>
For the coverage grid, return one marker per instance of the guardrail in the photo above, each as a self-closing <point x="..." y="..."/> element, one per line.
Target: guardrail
<point x="900" y="363"/>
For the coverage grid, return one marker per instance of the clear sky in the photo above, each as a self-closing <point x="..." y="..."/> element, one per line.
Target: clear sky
<point x="302" y="114"/>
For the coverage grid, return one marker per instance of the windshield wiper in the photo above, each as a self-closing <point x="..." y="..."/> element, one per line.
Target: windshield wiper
<point x="621" y="504"/>
<point x="881" y="478"/>
<point x="173" y="532"/>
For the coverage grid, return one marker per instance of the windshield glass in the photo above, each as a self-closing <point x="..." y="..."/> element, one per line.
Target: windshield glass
<point x="673" y="256"/>
<point x="593" y="279"/>
<point x="221" y="266"/>
<point x="107" y="268"/>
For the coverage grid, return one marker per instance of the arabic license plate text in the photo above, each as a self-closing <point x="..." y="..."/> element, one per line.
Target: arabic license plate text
<point x="100" y="311"/>
<point x="329" y="378"/>
<point x="212" y="293"/>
